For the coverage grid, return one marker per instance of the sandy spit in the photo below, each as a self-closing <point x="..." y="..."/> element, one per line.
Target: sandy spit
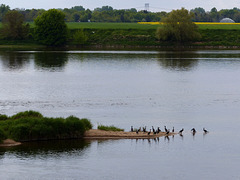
<point x="100" y="134"/>
<point x="9" y="142"/>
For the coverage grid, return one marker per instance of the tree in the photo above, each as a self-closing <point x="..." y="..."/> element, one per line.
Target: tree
<point x="178" y="27"/>
<point x="14" y="27"/>
<point x="3" y="10"/>
<point x="50" y="28"/>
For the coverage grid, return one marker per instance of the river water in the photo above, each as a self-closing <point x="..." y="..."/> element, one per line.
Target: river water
<point x="184" y="89"/>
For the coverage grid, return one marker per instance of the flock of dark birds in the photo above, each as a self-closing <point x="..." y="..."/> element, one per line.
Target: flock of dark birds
<point x="167" y="131"/>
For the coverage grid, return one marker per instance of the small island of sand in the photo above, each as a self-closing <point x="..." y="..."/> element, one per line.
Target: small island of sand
<point x="101" y="134"/>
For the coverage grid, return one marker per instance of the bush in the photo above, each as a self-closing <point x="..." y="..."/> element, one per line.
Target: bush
<point x="3" y="117"/>
<point x="109" y="128"/>
<point x="31" y="125"/>
<point x="27" y="114"/>
<point x="79" y="37"/>
<point x="178" y="27"/>
<point x="50" y="28"/>
<point x="14" y="27"/>
<point x="87" y="124"/>
<point x="20" y="132"/>
<point x="2" y="135"/>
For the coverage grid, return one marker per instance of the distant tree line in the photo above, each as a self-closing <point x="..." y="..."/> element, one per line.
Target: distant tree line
<point x="108" y="14"/>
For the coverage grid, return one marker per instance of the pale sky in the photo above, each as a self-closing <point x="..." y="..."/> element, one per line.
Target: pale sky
<point x="154" y="5"/>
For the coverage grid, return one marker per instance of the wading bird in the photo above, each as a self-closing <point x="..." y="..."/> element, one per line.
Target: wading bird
<point x="181" y="131"/>
<point x="205" y="131"/>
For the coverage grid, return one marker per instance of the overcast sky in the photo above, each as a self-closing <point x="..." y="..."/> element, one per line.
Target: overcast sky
<point x="154" y="5"/>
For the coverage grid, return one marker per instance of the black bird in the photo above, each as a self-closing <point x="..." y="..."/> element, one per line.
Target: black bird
<point x="137" y="131"/>
<point x="131" y="128"/>
<point x="165" y="128"/>
<point x="173" y="129"/>
<point x="168" y="131"/>
<point x="153" y="129"/>
<point x="149" y="132"/>
<point x="193" y="130"/>
<point x="205" y="131"/>
<point x="181" y="130"/>
<point x="144" y="129"/>
<point x="159" y="130"/>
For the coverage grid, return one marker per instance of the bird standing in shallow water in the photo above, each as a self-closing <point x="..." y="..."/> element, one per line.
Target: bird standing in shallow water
<point x="193" y="130"/>
<point x="181" y="131"/>
<point x="205" y="131"/>
<point x="131" y="128"/>
<point x="173" y="129"/>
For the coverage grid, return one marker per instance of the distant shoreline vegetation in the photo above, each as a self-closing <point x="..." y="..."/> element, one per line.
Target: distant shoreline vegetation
<point x="109" y="14"/>
<point x="33" y="126"/>
<point x="15" y="32"/>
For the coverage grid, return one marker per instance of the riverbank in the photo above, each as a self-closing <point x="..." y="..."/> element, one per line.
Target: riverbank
<point x="101" y="134"/>
<point x="131" y="38"/>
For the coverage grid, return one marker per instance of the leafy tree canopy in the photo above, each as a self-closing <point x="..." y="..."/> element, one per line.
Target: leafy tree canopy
<point x="50" y="28"/>
<point x="178" y="27"/>
<point x="14" y="27"/>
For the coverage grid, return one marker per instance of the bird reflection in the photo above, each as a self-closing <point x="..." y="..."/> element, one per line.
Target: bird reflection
<point x="166" y="138"/>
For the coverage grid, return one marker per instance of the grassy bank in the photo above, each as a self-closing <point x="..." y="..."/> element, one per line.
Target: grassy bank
<point x="33" y="126"/>
<point x="133" y="35"/>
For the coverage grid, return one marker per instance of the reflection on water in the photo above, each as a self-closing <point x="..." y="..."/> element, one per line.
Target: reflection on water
<point x="14" y="60"/>
<point x="50" y="60"/>
<point x="181" y="61"/>
<point x="47" y="148"/>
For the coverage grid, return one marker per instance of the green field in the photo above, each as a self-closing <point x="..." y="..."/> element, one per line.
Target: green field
<point x="93" y="25"/>
<point x="96" y="25"/>
<point x="134" y="34"/>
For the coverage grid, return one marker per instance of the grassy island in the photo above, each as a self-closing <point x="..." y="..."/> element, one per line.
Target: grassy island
<point x="33" y="126"/>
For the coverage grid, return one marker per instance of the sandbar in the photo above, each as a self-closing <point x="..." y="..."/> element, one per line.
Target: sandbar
<point x="101" y="134"/>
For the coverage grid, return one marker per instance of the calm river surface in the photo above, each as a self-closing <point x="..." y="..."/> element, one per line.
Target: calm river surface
<point x="184" y="89"/>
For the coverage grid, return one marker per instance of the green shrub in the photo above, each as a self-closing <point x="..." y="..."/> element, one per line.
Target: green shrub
<point x="2" y="135"/>
<point x="79" y="37"/>
<point x="87" y="124"/>
<point x="50" y="28"/>
<point x="31" y="125"/>
<point x="20" y="132"/>
<point x="27" y="114"/>
<point x="109" y="128"/>
<point x="3" y="117"/>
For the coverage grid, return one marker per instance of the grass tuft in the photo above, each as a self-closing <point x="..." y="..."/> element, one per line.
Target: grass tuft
<point x="109" y="128"/>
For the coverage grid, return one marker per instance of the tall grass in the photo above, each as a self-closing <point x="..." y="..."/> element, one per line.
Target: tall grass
<point x="109" y="128"/>
<point x="31" y="125"/>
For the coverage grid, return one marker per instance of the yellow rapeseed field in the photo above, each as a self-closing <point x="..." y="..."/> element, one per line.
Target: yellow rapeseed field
<point x="204" y="23"/>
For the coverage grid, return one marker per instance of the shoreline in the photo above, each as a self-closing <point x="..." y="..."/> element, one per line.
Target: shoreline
<point x="95" y="134"/>
<point x="118" y="47"/>
<point x="9" y="143"/>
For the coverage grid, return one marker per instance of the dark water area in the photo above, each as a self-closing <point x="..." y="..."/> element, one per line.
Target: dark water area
<point x="184" y="89"/>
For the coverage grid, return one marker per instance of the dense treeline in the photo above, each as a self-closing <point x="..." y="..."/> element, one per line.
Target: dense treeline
<point x="108" y="14"/>
<point x="31" y="126"/>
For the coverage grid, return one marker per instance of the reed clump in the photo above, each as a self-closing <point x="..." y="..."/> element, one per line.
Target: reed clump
<point x="33" y="126"/>
<point x="109" y="128"/>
